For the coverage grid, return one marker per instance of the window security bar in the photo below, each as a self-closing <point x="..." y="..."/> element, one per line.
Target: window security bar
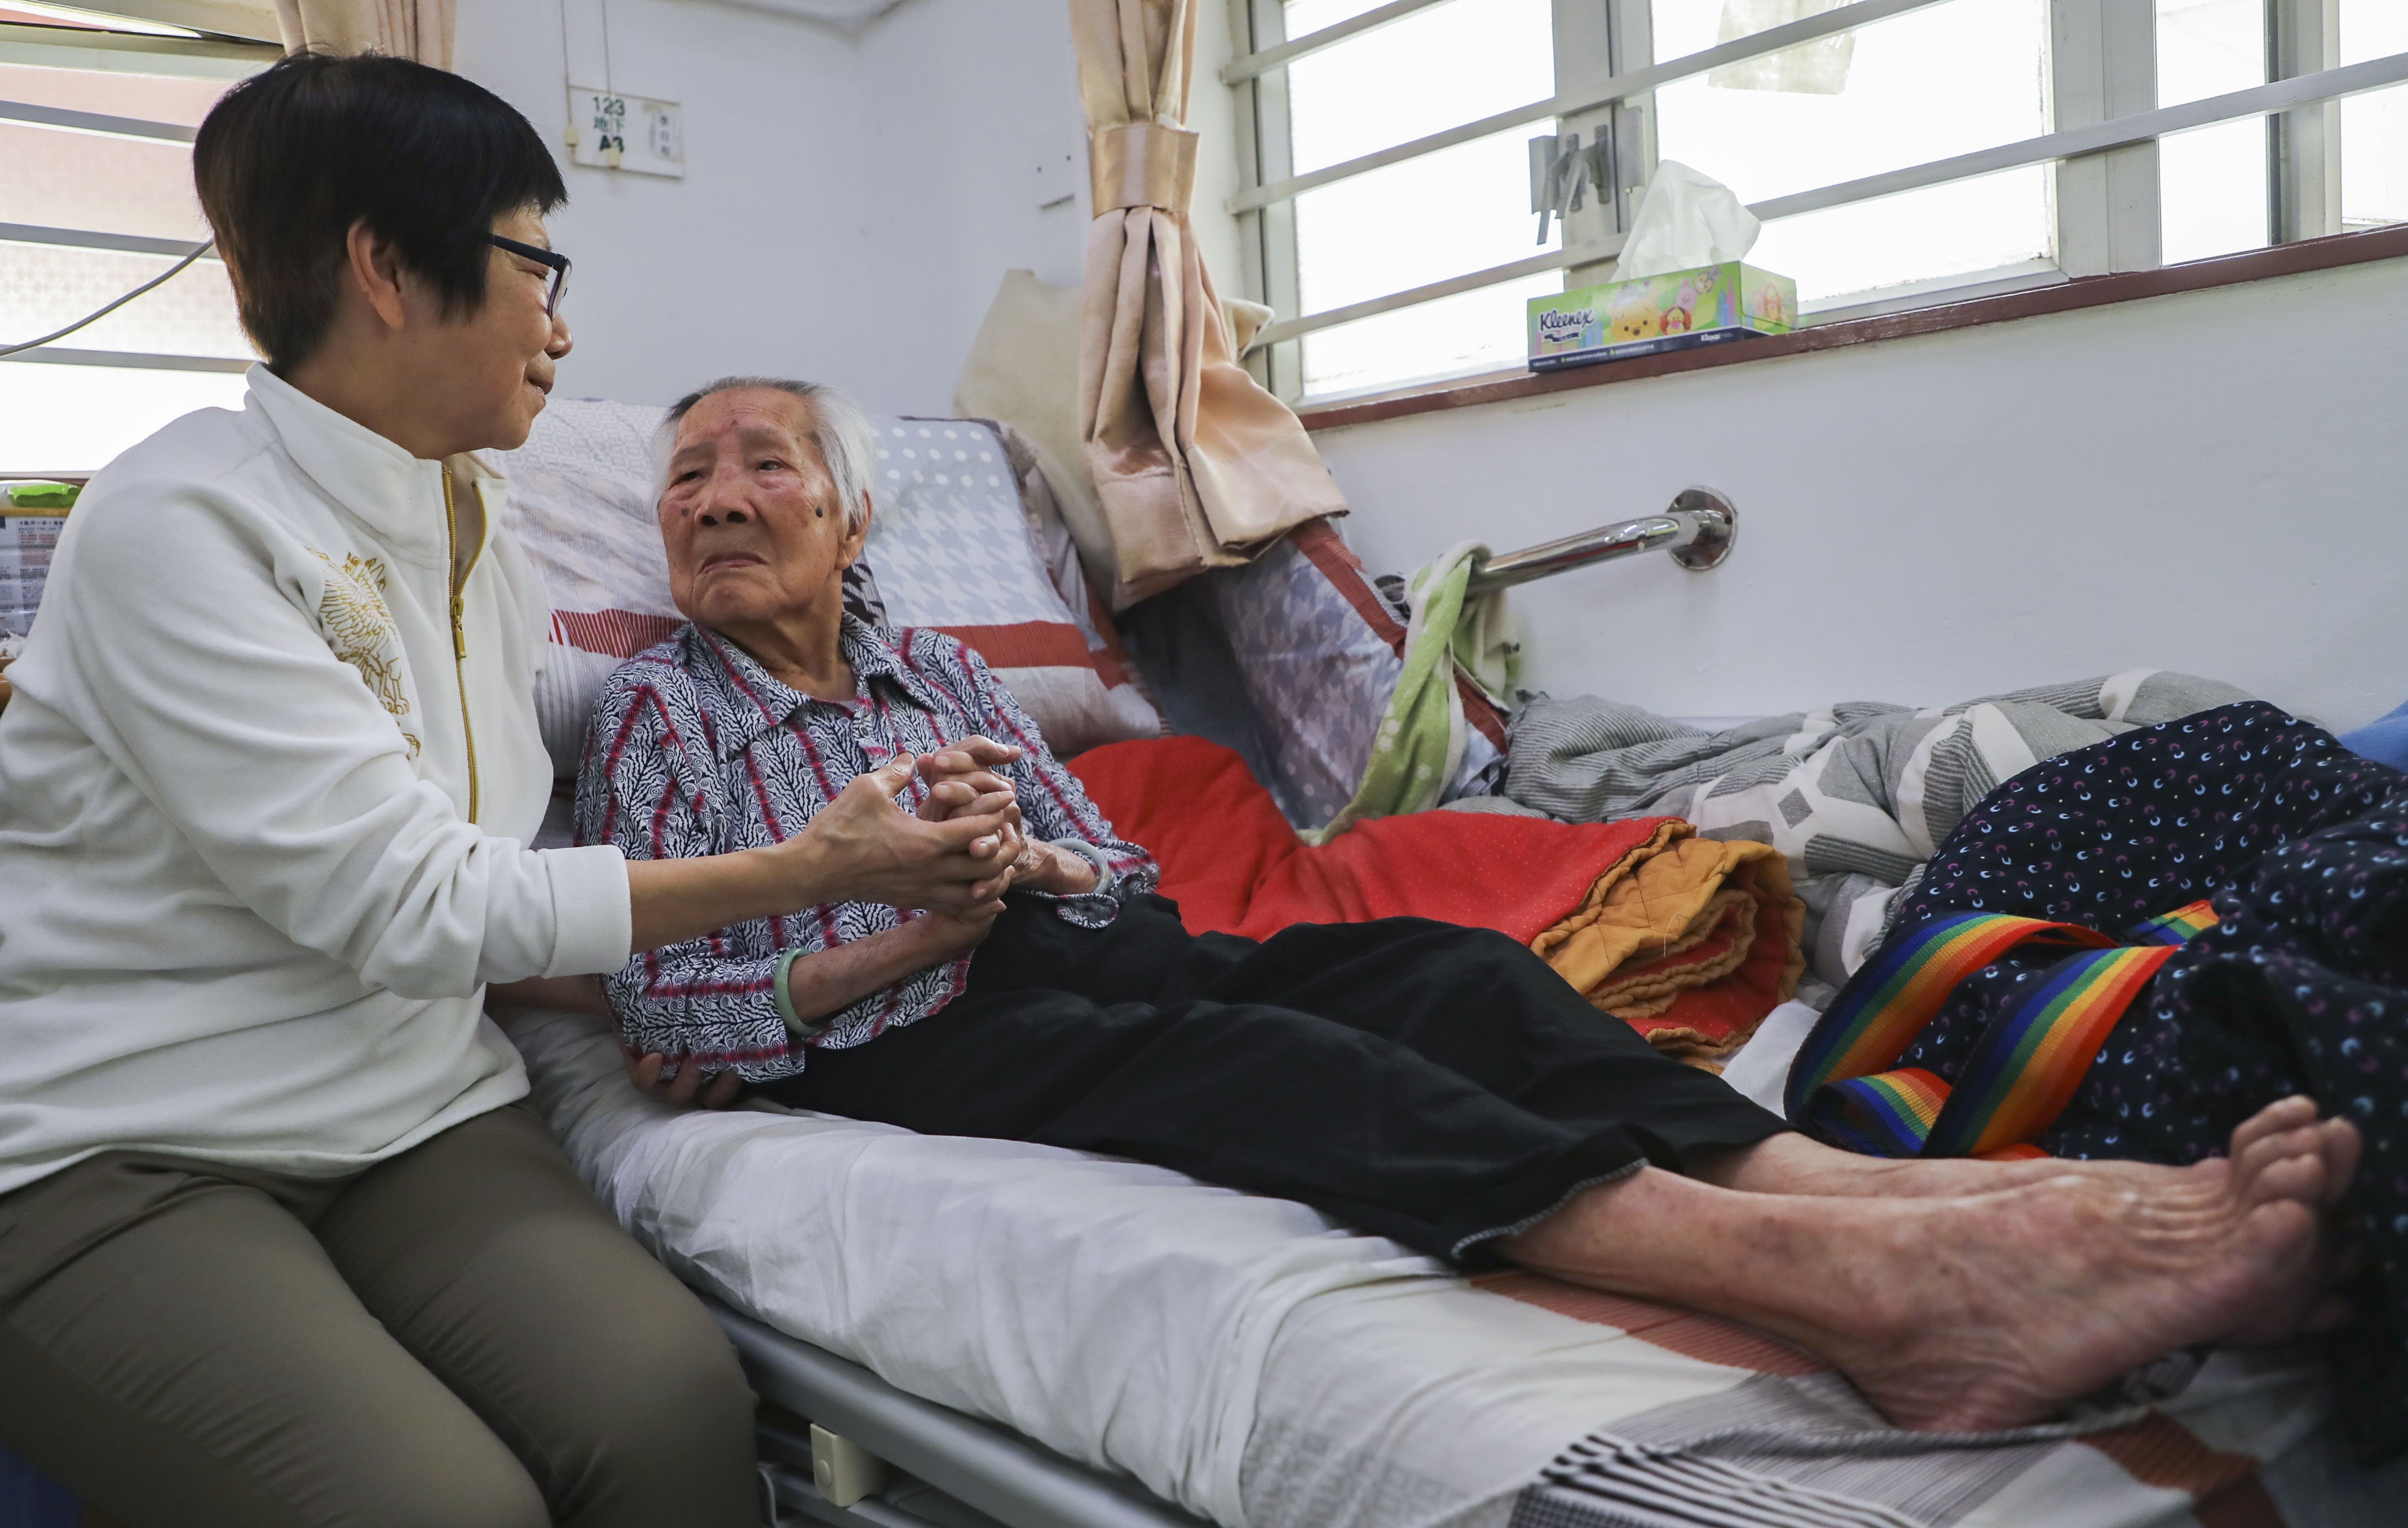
<point x="1699" y="530"/>
<point x="130" y="53"/>
<point x="87" y="238"/>
<point x="1238" y="70"/>
<point x="96" y="122"/>
<point x="55" y="355"/>
<point x="1572" y="102"/>
<point x="2141" y="127"/>
<point x="1537" y="264"/>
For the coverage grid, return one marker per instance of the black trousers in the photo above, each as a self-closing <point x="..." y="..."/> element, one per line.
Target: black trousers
<point x="1438" y="1085"/>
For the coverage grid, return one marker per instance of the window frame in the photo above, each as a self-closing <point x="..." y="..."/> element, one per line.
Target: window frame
<point x="223" y="57"/>
<point x="2101" y="147"/>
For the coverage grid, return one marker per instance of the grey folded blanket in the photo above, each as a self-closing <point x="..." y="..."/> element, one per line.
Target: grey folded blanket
<point x="1857" y="794"/>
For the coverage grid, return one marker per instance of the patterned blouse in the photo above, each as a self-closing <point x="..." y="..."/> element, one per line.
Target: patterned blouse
<point x="695" y="750"/>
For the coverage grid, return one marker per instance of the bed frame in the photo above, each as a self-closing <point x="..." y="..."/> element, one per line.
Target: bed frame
<point x="946" y="1470"/>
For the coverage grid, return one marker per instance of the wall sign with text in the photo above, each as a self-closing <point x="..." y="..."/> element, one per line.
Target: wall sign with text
<point x="611" y="131"/>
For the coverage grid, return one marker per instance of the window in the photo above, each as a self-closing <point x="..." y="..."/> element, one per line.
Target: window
<point x="2211" y="180"/>
<point x="2373" y="127"/>
<point x="1944" y="80"/>
<point x="1900" y="151"/>
<point x="97" y="114"/>
<point x="1374" y="233"/>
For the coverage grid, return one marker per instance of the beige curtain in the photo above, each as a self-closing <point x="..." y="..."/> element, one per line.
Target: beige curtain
<point x="1194" y="465"/>
<point x="419" y="29"/>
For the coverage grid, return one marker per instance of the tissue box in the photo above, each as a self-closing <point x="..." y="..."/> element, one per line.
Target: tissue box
<point x="1674" y="311"/>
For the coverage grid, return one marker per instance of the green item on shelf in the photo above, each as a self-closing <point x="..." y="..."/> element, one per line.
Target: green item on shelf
<point x="60" y="496"/>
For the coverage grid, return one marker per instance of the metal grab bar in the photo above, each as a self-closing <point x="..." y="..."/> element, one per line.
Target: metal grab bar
<point x="1699" y="530"/>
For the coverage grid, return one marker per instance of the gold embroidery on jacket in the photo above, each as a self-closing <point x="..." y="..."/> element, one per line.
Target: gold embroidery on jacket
<point x="360" y="628"/>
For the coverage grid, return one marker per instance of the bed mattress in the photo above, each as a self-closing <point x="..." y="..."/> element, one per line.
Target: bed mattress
<point x="1262" y="1366"/>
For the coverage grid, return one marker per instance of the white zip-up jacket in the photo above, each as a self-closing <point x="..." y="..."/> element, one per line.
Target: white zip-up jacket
<point x="264" y="790"/>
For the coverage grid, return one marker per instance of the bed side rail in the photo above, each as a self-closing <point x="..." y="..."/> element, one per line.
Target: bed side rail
<point x="978" y="1464"/>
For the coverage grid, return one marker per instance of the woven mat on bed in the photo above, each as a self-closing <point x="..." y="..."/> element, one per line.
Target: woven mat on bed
<point x="1794" y="1444"/>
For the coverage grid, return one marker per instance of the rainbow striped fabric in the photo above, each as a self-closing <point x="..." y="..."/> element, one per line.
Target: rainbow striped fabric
<point x="2177" y="927"/>
<point x="2024" y="1069"/>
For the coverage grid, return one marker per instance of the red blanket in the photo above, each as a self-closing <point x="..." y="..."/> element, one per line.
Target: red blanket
<point x="1235" y="866"/>
<point x="1689" y="942"/>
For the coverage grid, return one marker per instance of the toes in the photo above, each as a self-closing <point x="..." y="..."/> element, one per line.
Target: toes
<point x="2344" y="1148"/>
<point x="2267" y="1149"/>
<point x="2284" y="1237"/>
<point x="2299" y="1176"/>
<point x="2284" y="1114"/>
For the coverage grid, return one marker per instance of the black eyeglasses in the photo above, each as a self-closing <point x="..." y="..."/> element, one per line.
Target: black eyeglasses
<point x="541" y="256"/>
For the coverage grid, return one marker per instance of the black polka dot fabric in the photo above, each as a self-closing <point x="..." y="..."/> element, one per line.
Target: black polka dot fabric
<point x="2301" y="987"/>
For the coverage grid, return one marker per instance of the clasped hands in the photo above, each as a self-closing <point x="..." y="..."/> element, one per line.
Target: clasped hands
<point x="951" y="859"/>
<point x="956" y="855"/>
<point x="962" y="785"/>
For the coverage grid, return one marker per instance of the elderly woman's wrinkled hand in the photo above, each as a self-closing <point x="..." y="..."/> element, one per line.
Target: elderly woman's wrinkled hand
<point x="959" y="775"/>
<point x="691" y="1085"/>
<point x="876" y="853"/>
<point x="963" y="778"/>
<point x="953" y="935"/>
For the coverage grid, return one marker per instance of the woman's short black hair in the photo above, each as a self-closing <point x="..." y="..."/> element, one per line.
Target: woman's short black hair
<point x="291" y="158"/>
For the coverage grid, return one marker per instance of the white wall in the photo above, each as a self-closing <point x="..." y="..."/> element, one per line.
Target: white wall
<point x="745" y="265"/>
<point x="2215" y="482"/>
<point x="962" y="99"/>
<point x="851" y="202"/>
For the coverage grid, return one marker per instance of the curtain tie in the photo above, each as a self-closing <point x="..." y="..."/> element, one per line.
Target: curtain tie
<point x="1142" y="164"/>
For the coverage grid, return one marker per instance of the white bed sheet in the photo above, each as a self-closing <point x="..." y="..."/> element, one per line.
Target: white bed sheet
<point x="1118" y="1313"/>
<point x="1243" y="1357"/>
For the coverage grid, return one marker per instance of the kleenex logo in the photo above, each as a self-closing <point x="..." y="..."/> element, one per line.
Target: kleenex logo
<point x="1558" y="324"/>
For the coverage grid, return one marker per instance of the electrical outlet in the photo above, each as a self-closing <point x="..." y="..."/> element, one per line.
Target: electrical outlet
<point x="1056" y="179"/>
<point x="611" y="130"/>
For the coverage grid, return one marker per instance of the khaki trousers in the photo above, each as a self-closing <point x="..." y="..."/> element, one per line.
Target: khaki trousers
<point x="459" y="1338"/>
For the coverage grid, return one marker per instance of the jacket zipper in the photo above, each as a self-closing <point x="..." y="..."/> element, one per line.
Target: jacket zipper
<point x="459" y="582"/>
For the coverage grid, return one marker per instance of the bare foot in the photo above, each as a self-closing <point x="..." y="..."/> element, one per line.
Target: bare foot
<point x="1793" y="1164"/>
<point x="1985" y="1310"/>
<point x="2032" y="1296"/>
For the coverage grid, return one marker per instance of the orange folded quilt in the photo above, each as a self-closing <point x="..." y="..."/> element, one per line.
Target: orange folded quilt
<point x="1690" y="941"/>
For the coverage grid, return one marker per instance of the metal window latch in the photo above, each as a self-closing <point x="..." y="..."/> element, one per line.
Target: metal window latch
<point x="1561" y="171"/>
<point x="1559" y="175"/>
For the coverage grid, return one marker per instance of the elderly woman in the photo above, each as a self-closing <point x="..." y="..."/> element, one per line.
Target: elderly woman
<point x="279" y="1245"/>
<point x="1434" y="1084"/>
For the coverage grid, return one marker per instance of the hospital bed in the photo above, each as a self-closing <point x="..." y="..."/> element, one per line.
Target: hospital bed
<point x="1029" y="1336"/>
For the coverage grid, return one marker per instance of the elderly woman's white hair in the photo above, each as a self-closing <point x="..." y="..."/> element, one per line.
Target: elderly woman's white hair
<point x="847" y="444"/>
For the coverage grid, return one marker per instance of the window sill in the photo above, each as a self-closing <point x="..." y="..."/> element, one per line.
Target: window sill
<point x="2062" y="297"/>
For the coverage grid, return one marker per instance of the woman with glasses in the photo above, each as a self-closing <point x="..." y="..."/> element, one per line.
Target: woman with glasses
<point x="280" y="1242"/>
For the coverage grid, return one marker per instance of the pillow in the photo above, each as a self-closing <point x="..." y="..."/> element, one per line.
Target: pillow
<point x="1321" y="650"/>
<point x="1023" y="369"/>
<point x="953" y="547"/>
<point x="950" y="547"/>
